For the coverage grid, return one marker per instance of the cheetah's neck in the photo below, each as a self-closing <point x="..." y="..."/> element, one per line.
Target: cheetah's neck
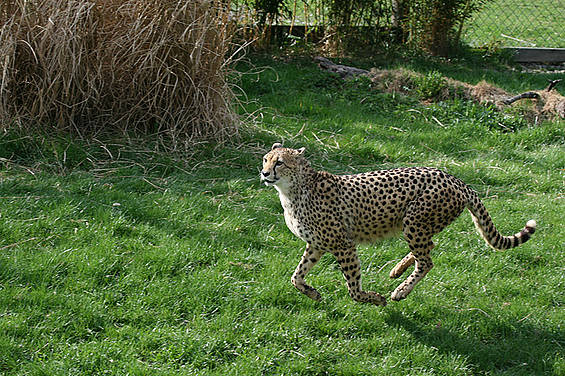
<point x="297" y="187"/>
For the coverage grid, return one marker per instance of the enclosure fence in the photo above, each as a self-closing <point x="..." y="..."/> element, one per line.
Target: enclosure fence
<point x="518" y="23"/>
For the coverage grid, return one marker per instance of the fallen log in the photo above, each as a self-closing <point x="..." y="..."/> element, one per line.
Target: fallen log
<point x="528" y="94"/>
<point x="343" y="70"/>
<point x="552" y="84"/>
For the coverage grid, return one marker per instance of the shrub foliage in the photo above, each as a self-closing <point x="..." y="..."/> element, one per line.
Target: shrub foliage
<point x="91" y="66"/>
<point x="434" y="25"/>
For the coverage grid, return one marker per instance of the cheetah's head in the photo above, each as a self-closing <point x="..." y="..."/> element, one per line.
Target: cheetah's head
<point x="281" y="164"/>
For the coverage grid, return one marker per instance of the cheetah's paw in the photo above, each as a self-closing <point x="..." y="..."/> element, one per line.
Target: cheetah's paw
<point x="374" y="298"/>
<point x="399" y="294"/>
<point x="312" y="293"/>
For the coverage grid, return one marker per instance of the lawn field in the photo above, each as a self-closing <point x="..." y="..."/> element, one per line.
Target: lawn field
<point x="117" y="259"/>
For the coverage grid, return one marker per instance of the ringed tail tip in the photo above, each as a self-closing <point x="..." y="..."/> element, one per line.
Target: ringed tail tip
<point x="531" y="226"/>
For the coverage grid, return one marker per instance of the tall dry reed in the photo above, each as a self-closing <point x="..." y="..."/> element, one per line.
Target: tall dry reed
<point x="106" y="65"/>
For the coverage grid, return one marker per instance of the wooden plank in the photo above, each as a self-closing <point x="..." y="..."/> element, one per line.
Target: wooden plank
<point x="538" y="55"/>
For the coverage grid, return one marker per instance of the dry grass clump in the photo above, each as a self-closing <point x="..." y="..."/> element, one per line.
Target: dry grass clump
<point x="443" y="88"/>
<point x="483" y="92"/>
<point x="106" y="65"/>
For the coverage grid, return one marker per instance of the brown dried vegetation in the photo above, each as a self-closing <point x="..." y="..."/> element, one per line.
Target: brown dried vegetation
<point x="547" y="103"/>
<point x="156" y="66"/>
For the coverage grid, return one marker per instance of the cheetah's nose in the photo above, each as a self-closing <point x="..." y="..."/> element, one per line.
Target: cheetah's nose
<point x="265" y="173"/>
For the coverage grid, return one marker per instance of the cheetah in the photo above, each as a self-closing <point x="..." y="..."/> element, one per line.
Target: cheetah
<point x="335" y="213"/>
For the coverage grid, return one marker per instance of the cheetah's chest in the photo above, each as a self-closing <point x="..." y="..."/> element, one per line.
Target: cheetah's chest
<point x="293" y="214"/>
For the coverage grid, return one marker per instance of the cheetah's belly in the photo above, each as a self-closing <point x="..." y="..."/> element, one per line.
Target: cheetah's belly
<point x="294" y="225"/>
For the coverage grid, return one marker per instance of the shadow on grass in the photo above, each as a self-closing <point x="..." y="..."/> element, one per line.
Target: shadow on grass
<point x="489" y="344"/>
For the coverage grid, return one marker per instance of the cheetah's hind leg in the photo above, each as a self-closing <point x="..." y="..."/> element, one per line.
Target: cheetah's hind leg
<point x="309" y="259"/>
<point x="401" y="267"/>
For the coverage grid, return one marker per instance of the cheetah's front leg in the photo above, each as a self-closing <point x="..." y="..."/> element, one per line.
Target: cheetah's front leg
<point x="351" y="269"/>
<point x="309" y="259"/>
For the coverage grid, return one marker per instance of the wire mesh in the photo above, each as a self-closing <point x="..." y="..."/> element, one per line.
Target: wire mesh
<point x="518" y="23"/>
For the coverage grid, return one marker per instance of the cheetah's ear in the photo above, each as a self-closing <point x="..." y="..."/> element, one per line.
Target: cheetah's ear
<point x="276" y="145"/>
<point x="301" y="150"/>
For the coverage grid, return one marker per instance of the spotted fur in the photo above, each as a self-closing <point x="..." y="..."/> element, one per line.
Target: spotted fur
<point x="335" y="213"/>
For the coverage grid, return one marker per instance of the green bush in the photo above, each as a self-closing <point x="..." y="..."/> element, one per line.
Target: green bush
<point x="436" y="25"/>
<point x="430" y="85"/>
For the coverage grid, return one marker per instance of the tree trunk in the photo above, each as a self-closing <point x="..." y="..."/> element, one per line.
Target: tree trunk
<point x="397" y="19"/>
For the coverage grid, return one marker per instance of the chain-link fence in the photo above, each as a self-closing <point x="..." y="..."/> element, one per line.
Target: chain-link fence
<point x="518" y="23"/>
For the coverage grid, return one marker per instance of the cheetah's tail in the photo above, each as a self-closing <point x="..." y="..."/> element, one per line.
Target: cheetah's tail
<point x="488" y="231"/>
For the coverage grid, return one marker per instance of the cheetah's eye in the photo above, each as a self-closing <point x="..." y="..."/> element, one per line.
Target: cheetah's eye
<point x="264" y="160"/>
<point x="279" y="163"/>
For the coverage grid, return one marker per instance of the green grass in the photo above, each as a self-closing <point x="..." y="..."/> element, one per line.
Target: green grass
<point x="524" y="24"/>
<point x="156" y="264"/>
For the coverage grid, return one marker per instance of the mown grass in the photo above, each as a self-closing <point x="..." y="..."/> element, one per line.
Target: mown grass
<point x="121" y="260"/>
